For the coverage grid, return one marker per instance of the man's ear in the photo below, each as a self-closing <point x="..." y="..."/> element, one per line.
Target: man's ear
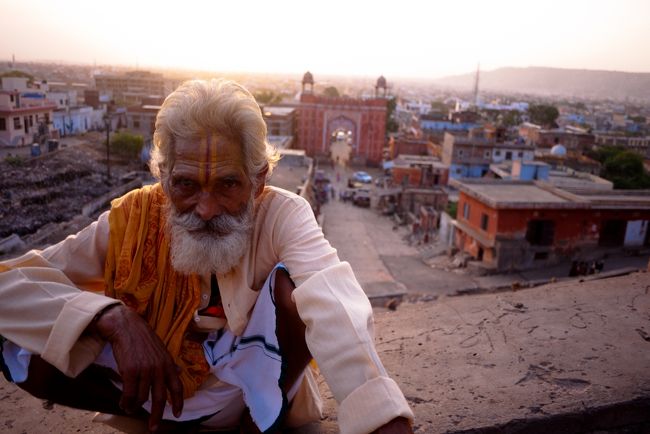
<point x="261" y="181"/>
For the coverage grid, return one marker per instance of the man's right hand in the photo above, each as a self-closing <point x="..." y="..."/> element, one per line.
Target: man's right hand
<point x="143" y="363"/>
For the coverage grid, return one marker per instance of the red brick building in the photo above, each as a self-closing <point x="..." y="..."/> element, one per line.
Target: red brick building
<point x="515" y="225"/>
<point x="321" y="118"/>
<point x="575" y="140"/>
<point x="419" y="171"/>
<point x="409" y="145"/>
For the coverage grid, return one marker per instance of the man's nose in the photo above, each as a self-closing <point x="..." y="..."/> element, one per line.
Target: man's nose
<point x="208" y="206"/>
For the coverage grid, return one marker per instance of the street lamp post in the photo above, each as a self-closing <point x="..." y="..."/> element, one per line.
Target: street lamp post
<point x="107" y="123"/>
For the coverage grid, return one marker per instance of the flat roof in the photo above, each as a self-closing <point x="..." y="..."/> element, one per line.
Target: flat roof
<point x="278" y="111"/>
<point x="512" y="194"/>
<point x="519" y="193"/>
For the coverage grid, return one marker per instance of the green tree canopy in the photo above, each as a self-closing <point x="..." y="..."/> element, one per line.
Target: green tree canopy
<point x="391" y="123"/>
<point x="127" y="144"/>
<point x="439" y="106"/>
<point x="17" y="73"/>
<point x="511" y="118"/>
<point x="267" y="97"/>
<point x="624" y="168"/>
<point x="331" y="92"/>
<point x="543" y="114"/>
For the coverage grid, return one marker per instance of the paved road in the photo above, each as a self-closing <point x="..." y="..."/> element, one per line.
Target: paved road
<point x="382" y="261"/>
<point x="386" y="265"/>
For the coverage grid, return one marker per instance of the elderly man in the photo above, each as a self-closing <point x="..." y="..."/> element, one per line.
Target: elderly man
<point x="201" y="299"/>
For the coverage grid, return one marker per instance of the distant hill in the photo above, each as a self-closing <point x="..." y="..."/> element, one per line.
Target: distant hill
<point x="559" y="82"/>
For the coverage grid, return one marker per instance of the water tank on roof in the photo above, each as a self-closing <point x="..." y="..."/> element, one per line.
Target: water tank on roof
<point x="558" y="151"/>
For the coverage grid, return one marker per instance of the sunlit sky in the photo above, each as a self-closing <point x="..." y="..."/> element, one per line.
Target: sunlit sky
<point x="403" y="38"/>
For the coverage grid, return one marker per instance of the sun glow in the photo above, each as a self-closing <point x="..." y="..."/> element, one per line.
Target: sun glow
<point x="406" y="38"/>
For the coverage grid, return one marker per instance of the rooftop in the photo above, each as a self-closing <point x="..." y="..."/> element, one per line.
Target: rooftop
<point x="419" y="160"/>
<point x="514" y="194"/>
<point x="278" y="111"/>
<point x="562" y="177"/>
<point x="509" y="194"/>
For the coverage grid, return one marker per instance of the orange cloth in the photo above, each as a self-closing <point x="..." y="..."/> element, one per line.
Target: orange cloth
<point x="139" y="273"/>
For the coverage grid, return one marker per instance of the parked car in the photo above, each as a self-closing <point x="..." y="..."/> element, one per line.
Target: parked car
<point x="362" y="198"/>
<point x="362" y="177"/>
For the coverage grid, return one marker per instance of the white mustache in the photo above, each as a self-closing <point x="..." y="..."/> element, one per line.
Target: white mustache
<point x="219" y="225"/>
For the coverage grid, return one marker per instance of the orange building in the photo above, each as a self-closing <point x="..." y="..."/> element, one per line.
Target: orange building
<point x="516" y="225"/>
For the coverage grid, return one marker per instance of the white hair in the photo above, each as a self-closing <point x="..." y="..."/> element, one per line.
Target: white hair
<point x="221" y="107"/>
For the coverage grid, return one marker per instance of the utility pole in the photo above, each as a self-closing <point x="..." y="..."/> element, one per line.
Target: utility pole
<point x="107" y="123"/>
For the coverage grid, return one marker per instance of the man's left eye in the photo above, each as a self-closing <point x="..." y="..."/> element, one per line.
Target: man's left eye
<point x="230" y="183"/>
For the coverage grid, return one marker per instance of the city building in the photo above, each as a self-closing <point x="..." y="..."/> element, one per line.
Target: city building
<point x="25" y="113"/>
<point x="575" y="140"/>
<point x="133" y="87"/>
<point x="562" y="177"/>
<point x="76" y="120"/>
<point x="407" y="145"/>
<point x="640" y="145"/>
<point x="470" y="156"/>
<point x="516" y="225"/>
<point x="321" y="120"/>
<point x="141" y="120"/>
<point x="419" y="171"/>
<point x="280" y="125"/>
<point x="437" y="123"/>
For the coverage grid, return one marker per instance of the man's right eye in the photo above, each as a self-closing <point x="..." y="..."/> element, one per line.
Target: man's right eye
<point x="184" y="183"/>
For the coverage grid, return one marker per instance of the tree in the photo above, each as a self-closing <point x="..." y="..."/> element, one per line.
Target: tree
<point x="440" y="107"/>
<point x="17" y="73"/>
<point x="267" y="97"/>
<point x="604" y="153"/>
<point x="391" y="123"/>
<point x="127" y="145"/>
<point x="623" y="168"/>
<point x="511" y="118"/>
<point x="331" y="92"/>
<point x="543" y="114"/>
<point x="626" y="171"/>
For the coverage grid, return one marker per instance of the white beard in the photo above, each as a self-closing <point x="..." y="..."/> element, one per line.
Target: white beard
<point x="215" y="246"/>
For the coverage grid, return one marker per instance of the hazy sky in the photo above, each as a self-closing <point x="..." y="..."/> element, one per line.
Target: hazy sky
<point x="403" y="38"/>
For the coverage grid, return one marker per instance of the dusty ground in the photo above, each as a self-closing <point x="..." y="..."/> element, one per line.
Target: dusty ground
<point x="54" y="187"/>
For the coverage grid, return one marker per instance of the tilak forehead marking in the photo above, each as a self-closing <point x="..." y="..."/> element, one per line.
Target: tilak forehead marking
<point x="208" y="151"/>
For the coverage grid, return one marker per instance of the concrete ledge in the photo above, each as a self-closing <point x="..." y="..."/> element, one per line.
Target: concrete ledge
<point x="623" y="417"/>
<point x="561" y="358"/>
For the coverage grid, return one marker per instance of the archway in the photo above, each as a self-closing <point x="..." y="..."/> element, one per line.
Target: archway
<point x="341" y="132"/>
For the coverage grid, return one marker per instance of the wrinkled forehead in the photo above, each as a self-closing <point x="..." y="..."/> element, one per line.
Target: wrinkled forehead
<point x="207" y="153"/>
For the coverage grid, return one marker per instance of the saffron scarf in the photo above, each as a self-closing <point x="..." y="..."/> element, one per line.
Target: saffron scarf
<point x="138" y="272"/>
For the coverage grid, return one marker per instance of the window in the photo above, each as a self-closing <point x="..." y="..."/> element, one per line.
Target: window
<point x="540" y="232"/>
<point x="460" y="152"/>
<point x="540" y="256"/>
<point x="487" y="154"/>
<point x="521" y="154"/>
<point x="466" y="211"/>
<point x="3" y="124"/>
<point x="508" y="155"/>
<point x="497" y="153"/>
<point x="484" y="221"/>
<point x="17" y="123"/>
